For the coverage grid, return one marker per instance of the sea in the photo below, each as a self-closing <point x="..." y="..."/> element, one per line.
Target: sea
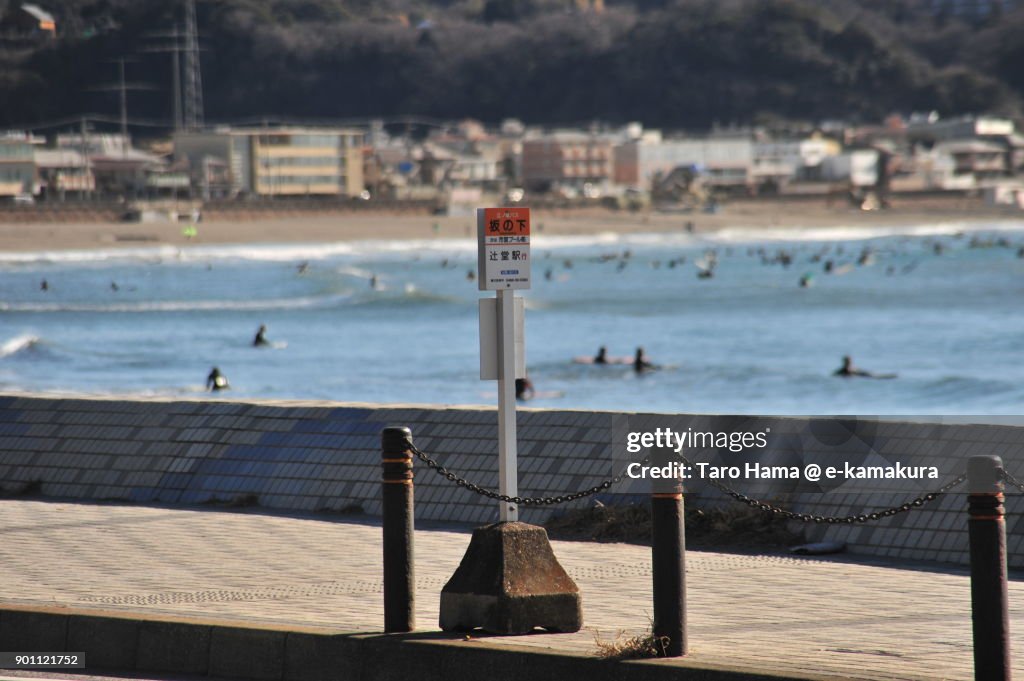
<point x="938" y="308"/>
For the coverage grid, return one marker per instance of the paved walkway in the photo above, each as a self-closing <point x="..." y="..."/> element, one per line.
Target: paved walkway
<point x="770" y="613"/>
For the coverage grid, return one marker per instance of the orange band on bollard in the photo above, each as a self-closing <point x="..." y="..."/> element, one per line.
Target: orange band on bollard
<point x="405" y="460"/>
<point x="987" y="517"/>
<point x="406" y="481"/>
<point x="663" y="495"/>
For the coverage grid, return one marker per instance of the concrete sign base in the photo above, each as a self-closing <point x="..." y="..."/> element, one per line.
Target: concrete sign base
<point x="509" y="582"/>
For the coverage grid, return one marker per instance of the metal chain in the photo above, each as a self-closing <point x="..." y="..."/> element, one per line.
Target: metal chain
<point x="1012" y="480"/>
<point x="833" y="520"/>
<point x="725" y="489"/>
<point x="521" y="501"/>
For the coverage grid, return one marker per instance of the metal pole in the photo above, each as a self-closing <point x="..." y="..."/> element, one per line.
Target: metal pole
<point x="668" y="563"/>
<point x="507" y="479"/>
<point x="176" y="80"/>
<point x="124" y="108"/>
<point x="397" y="490"/>
<point x="989" y="601"/>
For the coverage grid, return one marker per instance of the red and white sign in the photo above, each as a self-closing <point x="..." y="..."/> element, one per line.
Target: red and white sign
<point x="503" y="242"/>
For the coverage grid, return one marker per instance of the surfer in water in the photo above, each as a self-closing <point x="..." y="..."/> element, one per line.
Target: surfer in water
<point x="847" y="370"/>
<point x="641" y="363"/>
<point x="602" y="356"/>
<point x="261" y="337"/>
<point x="524" y="389"/>
<point x="216" y="381"/>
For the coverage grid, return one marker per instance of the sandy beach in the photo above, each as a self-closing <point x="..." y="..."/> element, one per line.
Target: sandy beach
<point x="352" y="226"/>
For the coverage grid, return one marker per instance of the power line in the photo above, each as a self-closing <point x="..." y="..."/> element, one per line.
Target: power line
<point x="175" y="48"/>
<point x="72" y="121"/>
<point x="122" y="88"/>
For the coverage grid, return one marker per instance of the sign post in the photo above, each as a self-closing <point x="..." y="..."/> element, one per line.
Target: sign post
<point x="508" y="478"/>
<point x="509" y="581"/>
<point x="503" y="240"/>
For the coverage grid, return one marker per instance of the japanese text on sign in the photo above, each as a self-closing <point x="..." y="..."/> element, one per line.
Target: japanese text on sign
<point x="503" y="240"/>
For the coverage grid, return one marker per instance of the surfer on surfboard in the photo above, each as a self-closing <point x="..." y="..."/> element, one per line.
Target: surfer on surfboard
<point x="847" y="370"/>
<point x="524" y="389"/>
<point x="261" y="337"/>
<point x="602" y="357"/>
<point x="216" y="380"/>
<point x="641" y="363"/>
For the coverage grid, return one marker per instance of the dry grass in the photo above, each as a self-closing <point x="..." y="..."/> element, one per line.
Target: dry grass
<point x="237" y="501"/>
<point x="624" y="647"/>
<point x="727" y="526"/>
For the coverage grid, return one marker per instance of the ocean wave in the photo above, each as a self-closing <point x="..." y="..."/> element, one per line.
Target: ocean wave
<point x="23" y="343"/>
<point x="356" y="272"/>
<point x="307" y="251"/>
<point x="398" y="294"/>
<point x="306" y="302"/>
<point x="857" y="233"/>
<point x="962" y="387"/>
<point x="261" y="252"/>
<point x="407" y="294"/>
<point x="97" y="255"/>
<point x="278" y="252"/>
<point x="267" y="252"/>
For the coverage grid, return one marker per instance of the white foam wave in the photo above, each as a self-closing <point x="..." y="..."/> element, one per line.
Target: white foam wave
<point x="857" y="232"/>
<point x="356" y="272"/>
<point x="268" y="252"/>
<point x="182" y="305"/>
<point x="72" y="256"/>
<point x="272" y="252"/>
<point x="17" y="344"/>
<point x="299" y="252"/>
<point x="416" y="246"/>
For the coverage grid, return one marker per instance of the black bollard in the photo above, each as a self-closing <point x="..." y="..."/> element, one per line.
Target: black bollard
<point x="989" y="601"/>
<point x="399" y="576"/>
<point x="668" y="559"/>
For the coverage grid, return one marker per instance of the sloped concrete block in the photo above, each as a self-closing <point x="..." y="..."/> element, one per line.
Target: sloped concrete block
<point x="509" y="582"/>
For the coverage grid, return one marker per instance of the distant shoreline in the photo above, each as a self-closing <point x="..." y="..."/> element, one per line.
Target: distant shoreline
<point x="360" y="226"/>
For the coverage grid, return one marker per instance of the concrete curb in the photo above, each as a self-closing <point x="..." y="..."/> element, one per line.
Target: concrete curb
<point x="124" y="642"/>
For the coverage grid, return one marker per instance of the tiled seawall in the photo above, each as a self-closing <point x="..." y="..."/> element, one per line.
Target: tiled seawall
<point x="327" y="457"/>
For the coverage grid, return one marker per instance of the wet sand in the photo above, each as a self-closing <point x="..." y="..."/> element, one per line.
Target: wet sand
<point x="353" y="226"/>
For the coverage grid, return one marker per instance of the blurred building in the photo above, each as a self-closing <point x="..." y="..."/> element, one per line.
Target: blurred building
<point x="855" y="167"/>
<point x="17" y="165"/>
<point x="468" y="155"/>
<point x="117" y="168"/>
<point x="64" y="173"/>
<point x="793" y="160"/>
<point x="935" y="129"/>
<point x="726" y="162"/>
<point x="566" y="159"/>
<point x="269" y="162"/>
<point x="978" y="159"/>
<point x="982" y="147"/>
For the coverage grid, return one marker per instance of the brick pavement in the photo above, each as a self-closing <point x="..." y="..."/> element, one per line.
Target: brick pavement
<point x="874" y="620"/>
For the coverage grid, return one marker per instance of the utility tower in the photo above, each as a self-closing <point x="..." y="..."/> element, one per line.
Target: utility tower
<point x="175" y="47"/>
<point x="193" y="77"/>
